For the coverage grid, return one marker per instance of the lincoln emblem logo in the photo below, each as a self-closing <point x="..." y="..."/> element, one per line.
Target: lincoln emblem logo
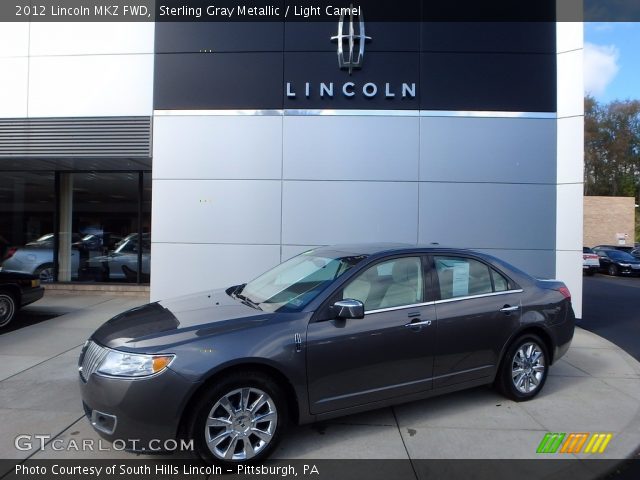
<point x="354" y="56"/>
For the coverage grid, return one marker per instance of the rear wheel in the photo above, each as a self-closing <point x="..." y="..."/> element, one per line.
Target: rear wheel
<point x="524" y="368"/>
<point x="239" y="419"/>
<point x="613" y="270"/>
<point x="8" y="308"/>
<point x="45" y="272"/>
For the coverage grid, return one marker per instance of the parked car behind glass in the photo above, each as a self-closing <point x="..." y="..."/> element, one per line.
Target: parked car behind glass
<point x="333" y="331"/>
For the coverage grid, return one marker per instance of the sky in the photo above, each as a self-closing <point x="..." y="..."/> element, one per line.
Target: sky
<point x="612" y="61"/>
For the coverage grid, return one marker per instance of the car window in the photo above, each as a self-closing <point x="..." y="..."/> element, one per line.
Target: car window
<point x="393" y="283"/>
<point x="461" y="277"/>
<point x="500" y="283"/>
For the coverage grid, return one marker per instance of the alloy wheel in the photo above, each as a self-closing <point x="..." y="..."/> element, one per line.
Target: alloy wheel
<point x="7" y="309"/>
<point x="241" y="424"/>
<point x="528" y="367"/>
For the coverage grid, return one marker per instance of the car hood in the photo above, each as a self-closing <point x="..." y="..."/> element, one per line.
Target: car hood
<point x="160" y="325"/>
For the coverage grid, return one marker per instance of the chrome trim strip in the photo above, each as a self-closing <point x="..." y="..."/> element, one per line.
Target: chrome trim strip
<point x="483" y="367"/>
<point x="391" y="309"/>
<point x="486" y="114"/>
<point x="373" y="390"/>
<point x="494" y="294"/>
<point x="355" y="113"/>
<point x="213" y="113"/>
<point x="352" y="113"/>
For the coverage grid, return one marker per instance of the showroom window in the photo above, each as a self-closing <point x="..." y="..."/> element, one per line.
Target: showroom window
<point x="27" y="212"/>
<point x="77" y="226"/>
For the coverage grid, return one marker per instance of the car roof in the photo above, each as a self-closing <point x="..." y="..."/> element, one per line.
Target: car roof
<point x="370" y="249"/>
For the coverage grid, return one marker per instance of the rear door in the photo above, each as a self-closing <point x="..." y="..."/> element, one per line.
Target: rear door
<point x="477" y="310"/>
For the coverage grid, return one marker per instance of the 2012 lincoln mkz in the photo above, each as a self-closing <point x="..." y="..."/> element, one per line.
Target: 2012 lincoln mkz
<point x="330" y="332"/>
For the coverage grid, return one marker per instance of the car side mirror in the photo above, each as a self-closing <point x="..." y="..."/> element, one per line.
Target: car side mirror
<point x="348" y="308"/>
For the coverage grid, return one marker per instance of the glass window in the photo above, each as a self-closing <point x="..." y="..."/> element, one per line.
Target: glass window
<point x="388" y="284"/>
<point x="500" y="283"/>
<point x="27" y="203"/>
<point x="105" y="215"/>
<point x="461" y="277"/>
<point x="294" y="283"/>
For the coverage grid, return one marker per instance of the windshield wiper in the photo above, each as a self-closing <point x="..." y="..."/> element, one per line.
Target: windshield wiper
<point x="247" y="301"/>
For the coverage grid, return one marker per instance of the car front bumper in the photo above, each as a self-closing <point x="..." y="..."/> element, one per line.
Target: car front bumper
<point x="140" y="413"/>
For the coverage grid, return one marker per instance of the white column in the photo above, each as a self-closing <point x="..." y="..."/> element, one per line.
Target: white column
<point x="570" y="158"/>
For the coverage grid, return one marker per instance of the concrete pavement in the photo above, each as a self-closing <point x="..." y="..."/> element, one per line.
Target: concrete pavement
<point x="594" y="388"/>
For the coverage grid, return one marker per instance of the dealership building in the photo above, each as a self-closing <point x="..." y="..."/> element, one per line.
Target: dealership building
<point x="227" y="148"/>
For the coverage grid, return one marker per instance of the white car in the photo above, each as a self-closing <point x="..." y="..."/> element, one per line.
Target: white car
<point x="590" y="261"/>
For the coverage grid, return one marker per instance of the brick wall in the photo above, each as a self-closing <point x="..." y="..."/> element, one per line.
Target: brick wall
<point x="605" y="217"/>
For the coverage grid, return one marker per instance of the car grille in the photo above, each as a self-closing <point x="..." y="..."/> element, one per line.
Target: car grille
<point x="91" y="359"/>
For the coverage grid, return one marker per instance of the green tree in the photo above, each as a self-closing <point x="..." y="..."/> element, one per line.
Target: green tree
<point x="612" y="148"/>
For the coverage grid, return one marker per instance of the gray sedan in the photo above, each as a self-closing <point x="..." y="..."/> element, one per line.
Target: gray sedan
<point x="333" y="331"/>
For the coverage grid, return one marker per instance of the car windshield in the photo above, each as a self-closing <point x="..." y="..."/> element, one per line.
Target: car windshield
<point x="293" y="284"/>
<point x="621" y="256"/>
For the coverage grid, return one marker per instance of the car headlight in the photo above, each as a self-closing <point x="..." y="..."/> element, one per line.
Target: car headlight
<point x="624" y="264"/>
<point x="122" y="364"/>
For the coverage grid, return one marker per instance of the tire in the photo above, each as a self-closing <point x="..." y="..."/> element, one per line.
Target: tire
<point x="45" y="272"/>
<point x="241" y="436"/>
<point x="516" y="380"/>
<point x="590" y="273"/>
<point x="8" y="308"/>
<point x="613" y="270"/>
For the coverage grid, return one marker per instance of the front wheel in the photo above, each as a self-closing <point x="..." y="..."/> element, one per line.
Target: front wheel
<point x="239" y="419"/>
<point x="613" y="270"/>
<point x="8" y="308"/>
<point x="524" y="369"/>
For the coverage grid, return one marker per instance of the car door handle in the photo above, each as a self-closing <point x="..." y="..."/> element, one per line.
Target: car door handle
<point x="507" y="308"/>
<point x="418" y="324"/>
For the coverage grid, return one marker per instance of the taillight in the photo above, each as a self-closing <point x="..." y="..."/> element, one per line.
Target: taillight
<point x="10" y="252"/>
<point x="565" y="292"/>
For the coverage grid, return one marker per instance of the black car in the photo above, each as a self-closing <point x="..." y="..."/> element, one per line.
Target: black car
<point x="331" y="332"/>
<point x="617" y="262"/>
<point x="16" y="291"/>
<point x="622" y="248"/>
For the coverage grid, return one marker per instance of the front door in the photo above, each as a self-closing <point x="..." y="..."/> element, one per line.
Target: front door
<point x="386" y="354"/>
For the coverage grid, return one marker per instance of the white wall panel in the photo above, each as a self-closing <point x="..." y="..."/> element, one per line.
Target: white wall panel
<point x="14" y="86"/>
<point x="82" y="38"/>
<point x="216" y="211"/>
<point x="488" y="215"/>
<point x="178" y="269"/>
<point x="569" y="270"/>
<point x="570" y="84"/>
<point x="99" y="85"/>
<point x="518" y="150"/>
<point x="14" y="39"/>
<point x="217" y="147"/>
<point x="539" y="263"/>
<point x="351" y="148"/>
<point x="569" y="217"/>
<point x="347" y="212"/>
<point x="571" y="150"/>
<point x="569" y="36"/>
